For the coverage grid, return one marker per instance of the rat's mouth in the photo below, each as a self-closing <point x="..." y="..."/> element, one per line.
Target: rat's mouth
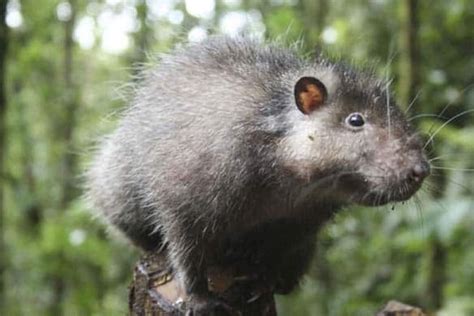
<point x="392" y="193"/>
<point x="382" y="187"/>
<point x="365" y="189"/>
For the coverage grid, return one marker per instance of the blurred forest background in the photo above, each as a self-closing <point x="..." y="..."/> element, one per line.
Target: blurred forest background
<point x="63" y="66"/>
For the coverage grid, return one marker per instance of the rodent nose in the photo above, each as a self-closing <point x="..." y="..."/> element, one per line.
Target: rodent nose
<point x="420" y="171"/>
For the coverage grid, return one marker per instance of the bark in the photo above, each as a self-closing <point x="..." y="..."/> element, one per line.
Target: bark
<point x="3" y="109"/>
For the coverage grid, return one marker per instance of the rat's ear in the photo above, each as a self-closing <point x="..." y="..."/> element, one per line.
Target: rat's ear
<point x="310" y="94"/>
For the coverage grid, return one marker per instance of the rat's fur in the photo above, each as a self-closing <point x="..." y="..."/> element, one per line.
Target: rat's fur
<point x="214" y="162"/>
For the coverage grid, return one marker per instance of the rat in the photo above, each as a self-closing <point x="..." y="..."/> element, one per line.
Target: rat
<point x="234" y="151"/>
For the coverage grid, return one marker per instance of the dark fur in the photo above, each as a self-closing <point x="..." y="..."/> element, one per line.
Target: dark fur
<point x="214" y="162"/>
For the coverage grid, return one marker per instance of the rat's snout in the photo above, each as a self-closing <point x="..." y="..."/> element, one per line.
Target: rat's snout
<point x="419" y="171"/>
<point x="396" y="170"/>
<point x="416" y="167"/>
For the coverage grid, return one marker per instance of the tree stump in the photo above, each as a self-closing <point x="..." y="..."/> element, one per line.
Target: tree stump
<point x="394" y="308"/>
<point x="155" y="292"/>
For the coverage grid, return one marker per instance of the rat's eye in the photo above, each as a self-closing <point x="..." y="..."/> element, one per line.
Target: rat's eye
<point x="355" y="120"/>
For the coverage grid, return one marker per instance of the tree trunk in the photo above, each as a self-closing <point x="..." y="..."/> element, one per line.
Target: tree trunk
<point x="3" y="108"/>
<point x="68" y="163"/>
<point x="409" y="52"/>
<point x="71" y="104"/>
<point x="144" y="36"/>
<point x="313" y="13"/>
<point x="436" y="273"/>
<point x="409" y="77"/>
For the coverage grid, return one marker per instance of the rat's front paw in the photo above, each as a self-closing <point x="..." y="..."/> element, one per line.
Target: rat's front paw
<point x="206" y="306"/>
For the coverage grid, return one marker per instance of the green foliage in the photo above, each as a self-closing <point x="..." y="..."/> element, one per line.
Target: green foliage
<point x="61" y="261"/>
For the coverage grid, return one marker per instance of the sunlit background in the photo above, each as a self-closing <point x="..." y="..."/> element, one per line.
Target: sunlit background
<point x="111" y="25"/>
<point x="68" y="72"/>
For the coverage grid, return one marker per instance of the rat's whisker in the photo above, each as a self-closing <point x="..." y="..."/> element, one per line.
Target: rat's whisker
<point x="462" y="186"/>
<point x="419" y="211"/>
<point x="423" y="115"/>
<point x="468" y="87"/>
<point x="445" y="124"/>
<point x="452" y="168"/>
<point x="451" y="158"/>
<point x="391" y="57"/>
<point x="413" y="101"/>
<point x="387" y="100"/>
<point x="440" y="157"/>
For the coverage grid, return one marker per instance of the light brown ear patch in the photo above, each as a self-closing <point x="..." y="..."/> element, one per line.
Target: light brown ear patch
<point x="310" y="94"/>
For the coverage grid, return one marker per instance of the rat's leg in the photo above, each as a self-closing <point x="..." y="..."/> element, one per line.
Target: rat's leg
<point x="293" y="266"/>
<point x="187" y="256"/>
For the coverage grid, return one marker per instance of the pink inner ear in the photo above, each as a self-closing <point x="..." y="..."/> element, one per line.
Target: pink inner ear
<point x="310" y="94"/>
<point x="312" y="99"/>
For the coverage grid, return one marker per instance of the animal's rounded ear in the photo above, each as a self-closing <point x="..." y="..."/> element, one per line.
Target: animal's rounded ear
<point x="310" y="94"/>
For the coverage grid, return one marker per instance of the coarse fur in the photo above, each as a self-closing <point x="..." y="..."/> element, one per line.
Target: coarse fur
<point x="214" y="163"/>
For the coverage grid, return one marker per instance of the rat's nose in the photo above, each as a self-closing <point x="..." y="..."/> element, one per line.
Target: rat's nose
<point x="420" y="171"/>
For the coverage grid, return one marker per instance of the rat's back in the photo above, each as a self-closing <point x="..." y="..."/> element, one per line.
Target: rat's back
<point x="187" y="143"/>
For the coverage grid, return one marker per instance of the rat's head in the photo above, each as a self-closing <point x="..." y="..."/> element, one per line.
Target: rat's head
<point x="349" y="140"/>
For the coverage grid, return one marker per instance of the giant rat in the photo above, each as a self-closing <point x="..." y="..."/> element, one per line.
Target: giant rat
<point x="236" y="151"/>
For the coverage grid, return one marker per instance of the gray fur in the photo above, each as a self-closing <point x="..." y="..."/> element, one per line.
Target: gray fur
<point x="213" y="154"/>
